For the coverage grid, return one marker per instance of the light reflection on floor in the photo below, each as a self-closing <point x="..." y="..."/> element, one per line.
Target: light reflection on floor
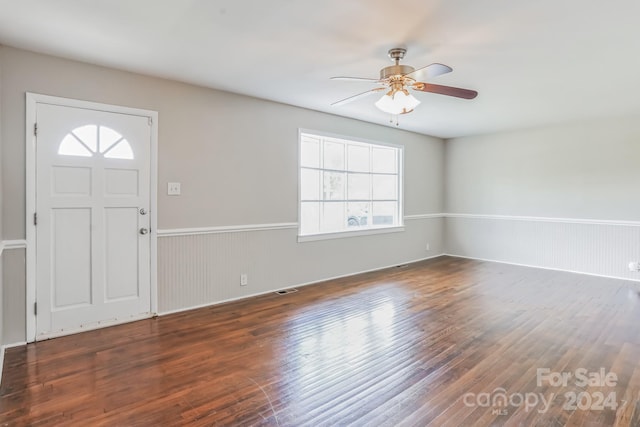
<point x="342" y="343"/>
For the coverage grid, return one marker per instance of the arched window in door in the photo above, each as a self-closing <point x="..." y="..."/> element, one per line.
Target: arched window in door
<point x="90" y="140"/>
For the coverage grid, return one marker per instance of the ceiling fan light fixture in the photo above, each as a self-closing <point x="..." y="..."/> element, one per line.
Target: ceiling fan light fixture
<point x="386" y="104"/>
<point x="397" y="78"/>
<point x="399" y="102"/>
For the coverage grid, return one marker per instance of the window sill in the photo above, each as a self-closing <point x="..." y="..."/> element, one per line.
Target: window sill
<point x="346" y="234"/>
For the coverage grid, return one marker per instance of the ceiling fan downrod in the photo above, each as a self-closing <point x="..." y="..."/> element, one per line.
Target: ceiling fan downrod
<point x="396" y="54"/>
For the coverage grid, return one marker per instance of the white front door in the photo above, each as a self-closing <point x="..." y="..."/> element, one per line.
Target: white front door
<point x="92" y="223"/>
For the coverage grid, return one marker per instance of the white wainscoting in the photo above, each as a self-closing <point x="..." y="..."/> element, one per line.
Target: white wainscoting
<point x="200" y="267"/>
<point x="13" y="272"/>
<point x="597" y="247"/>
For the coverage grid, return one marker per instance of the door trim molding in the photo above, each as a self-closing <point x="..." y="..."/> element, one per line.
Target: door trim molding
<point x="32" y="99"/>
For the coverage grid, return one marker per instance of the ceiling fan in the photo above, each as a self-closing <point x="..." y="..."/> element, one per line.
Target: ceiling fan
<point x="395" y="80"/>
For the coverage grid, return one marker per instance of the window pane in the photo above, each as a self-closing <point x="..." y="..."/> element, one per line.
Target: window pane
<point x="122" y="150"/>
<point x="333" y="218"/>
<point x="333" y="155"/>
<point x="108" y="137"/>
<point x="385" y="187"/>
<point x="334" y="186"/>
<point x="385" y="213"/>
<point x="70" y="146"/>
<point x="309" y="184"/>
<point x="359" y="186"/>
<point x="310" y="152"/>
<point x="384" y="160"/>
<point x="358" y="158"/>
<point x="358" y="214"/>
<point x="309" y="217"/>
<point x="88" y="135"/>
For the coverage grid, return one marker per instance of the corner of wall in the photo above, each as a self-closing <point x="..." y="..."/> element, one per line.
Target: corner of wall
<point x="445" y="193"/>
<point x="445" y="172"/>
<point x="554" y="197"/>
<point x="1" y="234"/>
<point x="2" y="347"/>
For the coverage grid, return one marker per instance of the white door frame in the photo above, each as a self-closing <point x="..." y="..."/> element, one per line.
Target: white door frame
<point x="32" y="99"/>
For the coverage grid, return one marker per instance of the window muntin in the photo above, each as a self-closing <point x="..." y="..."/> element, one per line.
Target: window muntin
<point x="348" y="185"/>
<point x="88" y="140"/>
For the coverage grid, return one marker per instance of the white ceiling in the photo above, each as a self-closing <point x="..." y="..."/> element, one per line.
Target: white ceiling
<point x="533" y="62"/>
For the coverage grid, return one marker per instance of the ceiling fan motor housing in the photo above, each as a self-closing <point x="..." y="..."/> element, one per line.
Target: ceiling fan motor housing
<point x="395" y="70"/>
<point x="396" y="54"/>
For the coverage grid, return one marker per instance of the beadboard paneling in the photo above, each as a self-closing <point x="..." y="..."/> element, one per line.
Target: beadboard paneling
<point x="202" y="269"/>
<point x="14" y="297"/>
<point x="593" y="248"/>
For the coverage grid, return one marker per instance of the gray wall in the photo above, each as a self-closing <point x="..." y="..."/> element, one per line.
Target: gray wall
<point x="236" y="158"/>
<point x="584" y="170"/>
<point x="560" y="197"/>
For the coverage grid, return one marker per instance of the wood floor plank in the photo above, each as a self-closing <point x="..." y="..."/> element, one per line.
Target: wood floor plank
<point x="401" y="346"/>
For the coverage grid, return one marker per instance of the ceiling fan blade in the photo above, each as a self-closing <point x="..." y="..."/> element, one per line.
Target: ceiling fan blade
<point x="356" y="79"/>
<point x="358" y="96"/>
<point x="445" y="90"/>
<point x="432" y="70"/>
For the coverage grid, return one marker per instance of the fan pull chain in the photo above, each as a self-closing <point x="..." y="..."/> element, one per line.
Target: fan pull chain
<point x="391" y="117"/>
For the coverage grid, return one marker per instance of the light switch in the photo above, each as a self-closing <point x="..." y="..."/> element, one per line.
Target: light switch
<point x="173" y="189"/>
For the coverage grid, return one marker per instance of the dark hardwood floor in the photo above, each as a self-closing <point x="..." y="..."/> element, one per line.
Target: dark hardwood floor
<point x="445" y="342"/>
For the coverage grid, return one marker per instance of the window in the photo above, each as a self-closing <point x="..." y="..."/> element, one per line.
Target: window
<point x="88" y="140"/>
<point x="348" y="186"/>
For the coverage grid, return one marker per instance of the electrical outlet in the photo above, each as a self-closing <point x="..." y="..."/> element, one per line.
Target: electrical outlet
<point x="173" y="188"/>
<point x="244" y="279"/>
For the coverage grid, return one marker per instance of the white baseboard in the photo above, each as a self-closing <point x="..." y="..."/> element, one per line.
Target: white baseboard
<point x="3" y="348"/>
<point x="1" y="362"/>
<point x="543" y="268"/>
<point x="299" y="285"/>
<point x="15" y="344"/>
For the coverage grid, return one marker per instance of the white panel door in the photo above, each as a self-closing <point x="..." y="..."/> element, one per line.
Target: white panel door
<point x="92" y="232"/>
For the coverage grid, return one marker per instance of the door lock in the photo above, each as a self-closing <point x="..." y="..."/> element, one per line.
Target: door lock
<point x="143" y="211"/>
<point x="144" y="231"/>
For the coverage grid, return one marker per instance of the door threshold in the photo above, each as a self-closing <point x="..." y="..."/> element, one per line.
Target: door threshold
<point x="92" y="327"/>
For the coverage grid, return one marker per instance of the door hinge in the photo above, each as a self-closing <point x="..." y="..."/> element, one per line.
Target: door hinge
<point x="35" y="308"/>
<point x="35" y="218"/>
<point x="150" y="121"/>
<point x="35" y="129"/>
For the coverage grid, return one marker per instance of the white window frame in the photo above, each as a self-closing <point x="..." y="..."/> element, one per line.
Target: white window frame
<point x="399" y="227"/>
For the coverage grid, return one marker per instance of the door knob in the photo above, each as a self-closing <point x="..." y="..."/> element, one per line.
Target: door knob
<point x="143" y="231"/>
